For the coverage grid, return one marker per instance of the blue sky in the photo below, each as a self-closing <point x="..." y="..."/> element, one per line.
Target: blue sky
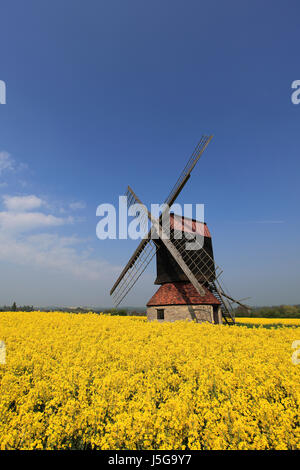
<point x="101" y="94"/>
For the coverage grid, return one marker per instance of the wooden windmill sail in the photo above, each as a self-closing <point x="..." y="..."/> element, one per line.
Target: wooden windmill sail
<point x="192" y="274"/>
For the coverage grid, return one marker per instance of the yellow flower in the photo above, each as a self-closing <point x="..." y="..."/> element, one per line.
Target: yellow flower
<point x="106" y="382"/>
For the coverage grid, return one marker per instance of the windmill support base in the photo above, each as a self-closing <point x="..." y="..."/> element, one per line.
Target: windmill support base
<point x="181" y="301"/>
<point x="197" y="313"/>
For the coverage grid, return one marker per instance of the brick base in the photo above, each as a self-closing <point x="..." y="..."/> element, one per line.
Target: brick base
<point x="198" y="313"/>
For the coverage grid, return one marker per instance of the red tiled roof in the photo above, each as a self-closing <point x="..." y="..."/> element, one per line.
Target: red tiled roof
<point x="181" y="293"/>
<point x="187" y="225"/>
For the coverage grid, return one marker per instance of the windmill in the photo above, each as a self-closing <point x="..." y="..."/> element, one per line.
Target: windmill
<point x="190" y="280"/>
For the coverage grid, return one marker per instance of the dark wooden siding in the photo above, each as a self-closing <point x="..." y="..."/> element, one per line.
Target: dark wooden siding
<point x="169" y="271"/>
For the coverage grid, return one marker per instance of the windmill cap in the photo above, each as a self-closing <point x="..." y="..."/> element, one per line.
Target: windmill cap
<point x="188" y="225"/>
<point x="181" y="293"/>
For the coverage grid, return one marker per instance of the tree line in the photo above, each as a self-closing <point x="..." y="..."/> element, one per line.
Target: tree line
<point x="276" y="311"/>
<point x="14" y="308"/>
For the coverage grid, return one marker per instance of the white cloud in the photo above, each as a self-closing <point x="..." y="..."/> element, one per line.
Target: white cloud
<point x="18" y="216"/>
<point x="27" y="221"/>
<point x="261" y="222"/>
<point x="68" y="255"/>
<point x="54" y="252"/>
<point x="6" y="162"/>
<point x="22" y="203"/>
<point x="77" y="205"/>
<point x="269" y="222"/>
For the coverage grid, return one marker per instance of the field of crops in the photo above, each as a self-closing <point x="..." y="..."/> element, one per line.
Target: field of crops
<point x="268" y="321"/>
<point x="90" y="381"/>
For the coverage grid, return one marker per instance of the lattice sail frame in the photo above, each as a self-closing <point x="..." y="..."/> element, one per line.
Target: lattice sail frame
<point x="129" y="274"/>
<point x="134" y="272"/>
<point x="202" y="267"/>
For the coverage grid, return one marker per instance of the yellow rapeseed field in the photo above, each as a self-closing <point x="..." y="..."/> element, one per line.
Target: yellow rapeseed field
<point x="88" y="381"/>
<point x="269" y="321"/>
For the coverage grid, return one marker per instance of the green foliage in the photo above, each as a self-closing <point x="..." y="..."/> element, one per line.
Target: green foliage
<point x="281" y="311"/>
<point x="14" y="307"/>
<point x="115" y="311"/>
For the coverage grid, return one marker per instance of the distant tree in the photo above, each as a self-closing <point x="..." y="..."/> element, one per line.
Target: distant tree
<point x="14" y="307"/>
<point x="116" y="311"/>
<point x="26" y="308"/>
<point x="135" y="313"/>
<point x="279" y="311"/>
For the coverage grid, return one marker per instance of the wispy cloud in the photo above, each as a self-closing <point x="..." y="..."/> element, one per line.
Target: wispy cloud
<point x="22" y="203"/>
<point x="21" y="246"/>
<point x="19" y="216"/>
<point x="6" y="162"/>
<point x="9" y="165"/>
<point x="249" y="222"/>
<point x="77" y="205"/>
<point x="54" y="252"/>
<point x="28" y="221"/>
<point x="268" y="222"/>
